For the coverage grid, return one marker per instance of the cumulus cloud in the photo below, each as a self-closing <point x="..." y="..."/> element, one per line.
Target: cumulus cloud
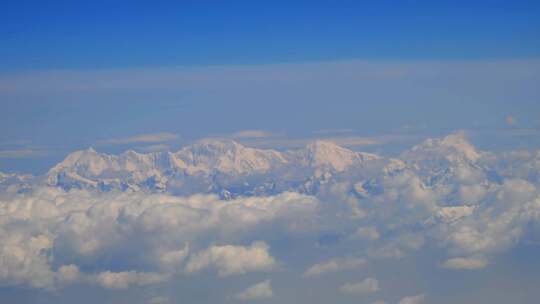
<point x="368" y="285"/>
<point x="260" y="290"/>
<point x="334" y="265"/>
<point x="229" y="259"/>
<point x="172" y="259"/>
<point x="90" y="228"/>
<point x="68" y="274"/>
<point x="22" y="259"/>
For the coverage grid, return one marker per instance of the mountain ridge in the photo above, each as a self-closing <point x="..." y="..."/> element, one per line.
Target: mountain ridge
<point x="230" y="169"/>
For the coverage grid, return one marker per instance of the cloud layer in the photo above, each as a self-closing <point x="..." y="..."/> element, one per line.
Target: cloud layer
<point x="332" y="224"/>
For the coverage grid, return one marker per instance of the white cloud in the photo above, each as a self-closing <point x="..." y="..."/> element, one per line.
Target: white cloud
<point x="366" y="233"/>
<point x="143" y="138"/>
<point x="366" y="286"/>
<point x="230" y="260"/>
<point x="260" y="290"/>
<point x="154" y="148"/>
<point x="334" y="265"/>
<point x="353" y="141"/>
<point x="22" y="259"/>
<point x="22" y="153"/>
<point x="471" y="194"/>
<point x="68" y="274"/>
<point x="91" y="228"/>
<point x="417" y="299"/>
<point x="334" y="131"/>
<point x="465" y="263"/>
<point x="159" y="300"/>
<point x="171" y="260"/>
<point x="253" y="134"/>
<point x="125" y="279"/>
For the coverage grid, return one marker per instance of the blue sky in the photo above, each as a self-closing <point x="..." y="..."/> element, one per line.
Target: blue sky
<point x="74" y="74"/>
<point x="112" y="34"/>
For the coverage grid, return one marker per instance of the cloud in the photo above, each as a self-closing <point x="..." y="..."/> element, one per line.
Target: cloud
<point x="417" y="299"/>
<point x="366" y="233"/>
<point x="334" y="265"/>
<point x="286" y="142"/>
<point x="94" y="229"/>
<point x="159" y="300"/>
<point x="155" y="148"/>
<point x="22" y="153"/>
<point x="260" y="290"/>
<point x="470" y="209"/>
<point x="68" y="274"/>
<point x="143" y="138"/>
<point x="253" y="134"/>
<point x="366" y="286"/>
<point x="465" y="263"/>
<point x="334" y="131"/>
<point x="231" y="260"/>
<point x="125" y="279"/>
<point x="172" y="259"/>
<point x="352" y="141"/>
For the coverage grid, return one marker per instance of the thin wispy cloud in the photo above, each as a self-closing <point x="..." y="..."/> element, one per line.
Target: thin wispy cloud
<point x="247" y="134"/>
<point x="22" y="153"/>
<point x="143" y="138"/>
<point x="334" y="131"/>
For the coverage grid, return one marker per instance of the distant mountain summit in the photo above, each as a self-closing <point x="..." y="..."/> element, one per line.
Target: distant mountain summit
<point x="226" y="156"/>
<point x="327" y="155"/>
<point x="453" y="148"/>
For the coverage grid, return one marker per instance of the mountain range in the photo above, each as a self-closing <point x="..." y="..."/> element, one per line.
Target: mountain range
<point x="229" y="169"/>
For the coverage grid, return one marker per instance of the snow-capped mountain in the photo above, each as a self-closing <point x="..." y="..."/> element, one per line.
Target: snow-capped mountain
<point x="445" y="160"/>
<point x="89" y="168"/>
<point x="453" y="148"/>
<point x="230" y="169"/>
<point x="207" y="163"/>
<point x="226" y="156"/>
<point x="329" y="156"/>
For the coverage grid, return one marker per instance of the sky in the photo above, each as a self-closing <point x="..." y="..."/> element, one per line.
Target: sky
<point x="432" y="194"/>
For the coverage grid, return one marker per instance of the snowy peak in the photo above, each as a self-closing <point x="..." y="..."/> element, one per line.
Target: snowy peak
<point x="90" y="168"/>
<point x="459" y="144"/>
<point x="84" y="160"/>
<point x="453" y="148"/>
<point x="446" y="161"/>
<point x="324" y="154"/>
<point x="226" y="166"/>
<point x="227" y="156"/>
<point x="199" y="163"/>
